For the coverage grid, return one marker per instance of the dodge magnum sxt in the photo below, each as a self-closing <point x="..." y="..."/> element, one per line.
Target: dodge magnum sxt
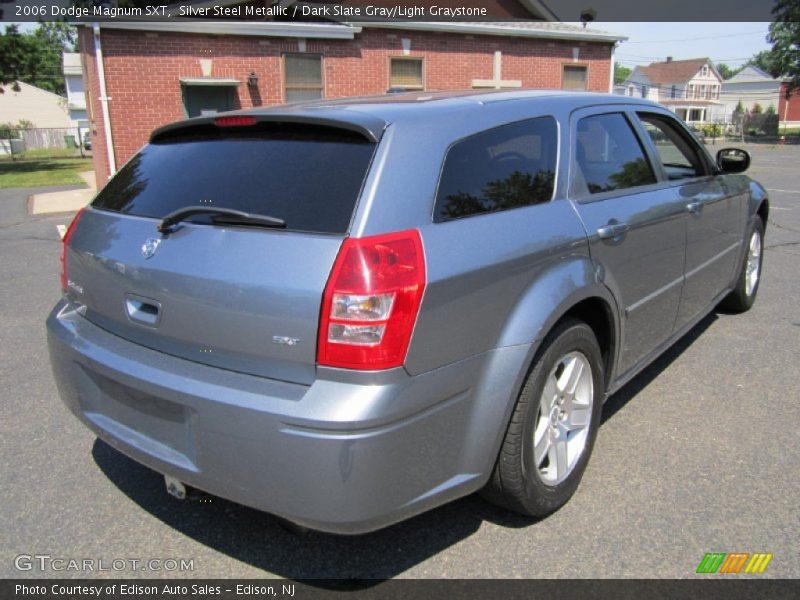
<point x="348" y="312"/>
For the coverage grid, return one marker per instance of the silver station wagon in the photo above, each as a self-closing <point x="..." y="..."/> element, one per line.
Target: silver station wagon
<point x="348" y="312"/>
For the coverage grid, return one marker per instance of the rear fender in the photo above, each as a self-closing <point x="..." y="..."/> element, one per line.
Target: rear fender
<point x="545" y="302"/>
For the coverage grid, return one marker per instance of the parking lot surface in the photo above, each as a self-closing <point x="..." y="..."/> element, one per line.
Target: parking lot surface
<point x="697" y="454"/>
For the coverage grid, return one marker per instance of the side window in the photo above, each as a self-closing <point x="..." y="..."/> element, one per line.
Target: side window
<point x="608" y="156"/>
<point x="502" y="168"/>
<point x="679" y="154"/>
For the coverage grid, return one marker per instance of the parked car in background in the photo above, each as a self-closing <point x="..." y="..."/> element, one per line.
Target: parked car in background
<point x="348" y="312"/>
<point x="87" y="140"/>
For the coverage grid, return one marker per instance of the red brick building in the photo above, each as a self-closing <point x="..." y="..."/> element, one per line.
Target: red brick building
<point x="789" y="109"/>
<point x="153" y="73"/>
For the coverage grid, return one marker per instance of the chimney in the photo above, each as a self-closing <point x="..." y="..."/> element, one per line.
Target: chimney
<point x="669" y="59"/>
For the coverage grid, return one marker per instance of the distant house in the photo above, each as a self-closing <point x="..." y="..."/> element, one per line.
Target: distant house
<point x="752" y="86"/>
<point x="690" y="88"/>
<point x="76" y="93"/>
<point x="42" y="108"/>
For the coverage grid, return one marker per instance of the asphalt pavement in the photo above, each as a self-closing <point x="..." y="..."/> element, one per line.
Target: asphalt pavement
<point x="698" y="454"/>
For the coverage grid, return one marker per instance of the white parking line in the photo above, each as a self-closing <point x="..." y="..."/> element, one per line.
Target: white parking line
<point x="784" y="191"/>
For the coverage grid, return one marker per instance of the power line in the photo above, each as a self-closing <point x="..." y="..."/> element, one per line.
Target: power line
<point x="704" y="37"/>
<point x="640" y="58"/>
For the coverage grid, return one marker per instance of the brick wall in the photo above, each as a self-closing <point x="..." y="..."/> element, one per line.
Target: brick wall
<point x="143" y="71"/>
<point x="792" y="113"/>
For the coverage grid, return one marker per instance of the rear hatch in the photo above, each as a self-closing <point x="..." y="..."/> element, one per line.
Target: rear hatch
<point x="241" y="296"/>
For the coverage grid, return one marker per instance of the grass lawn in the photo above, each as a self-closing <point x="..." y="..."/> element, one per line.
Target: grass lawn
<point x="40" y="172"/>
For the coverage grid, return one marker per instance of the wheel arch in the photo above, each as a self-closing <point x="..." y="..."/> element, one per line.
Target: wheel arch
<point x="759" y="203"/>
<point x="763" y="212"/>
<point x="598" y="315"/>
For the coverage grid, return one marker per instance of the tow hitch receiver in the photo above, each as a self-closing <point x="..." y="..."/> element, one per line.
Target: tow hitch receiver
<point x="175" y="487"/>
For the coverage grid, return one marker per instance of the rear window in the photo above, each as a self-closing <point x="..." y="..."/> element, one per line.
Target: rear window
<point x="309" y="176"/>
<point x="499" y="169"/>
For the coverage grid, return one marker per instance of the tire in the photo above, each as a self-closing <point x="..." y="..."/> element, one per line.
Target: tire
<point x="744" y="293"/>
<point x="525" y="479"/>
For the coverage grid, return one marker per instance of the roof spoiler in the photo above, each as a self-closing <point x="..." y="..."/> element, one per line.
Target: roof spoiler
<point x="367" y="126"/>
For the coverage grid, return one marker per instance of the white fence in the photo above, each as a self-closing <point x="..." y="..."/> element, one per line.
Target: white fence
<point x="42" y="138"/>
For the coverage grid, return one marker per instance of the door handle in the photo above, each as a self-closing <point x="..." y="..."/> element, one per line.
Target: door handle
<point x="694" y="208"/>
<point x="612" y="231"/>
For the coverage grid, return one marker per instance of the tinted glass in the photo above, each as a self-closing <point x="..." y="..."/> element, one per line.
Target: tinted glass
<point x="679" y="155"/>
<point x="499" y="169"/>
<point x="310" y="178"/>
<point x="609" y="156"/>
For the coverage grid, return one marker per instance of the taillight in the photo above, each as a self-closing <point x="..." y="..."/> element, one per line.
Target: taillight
<point x="64" y="243"/>
<point x="371" y="302"/>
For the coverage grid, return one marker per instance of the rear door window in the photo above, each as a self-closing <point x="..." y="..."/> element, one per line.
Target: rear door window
<point x="499" y="169"/>
<point x="608" y="156"/>
<point x="310" y="177"/>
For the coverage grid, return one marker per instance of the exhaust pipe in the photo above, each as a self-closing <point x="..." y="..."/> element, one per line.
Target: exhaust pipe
<point x="175" y="488"/>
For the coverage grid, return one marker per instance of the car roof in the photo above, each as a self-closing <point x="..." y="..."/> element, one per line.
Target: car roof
<point x="370" y="115"/>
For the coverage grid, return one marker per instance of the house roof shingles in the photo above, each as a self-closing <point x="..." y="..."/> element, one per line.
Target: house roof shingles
<point x="674" y="71"/>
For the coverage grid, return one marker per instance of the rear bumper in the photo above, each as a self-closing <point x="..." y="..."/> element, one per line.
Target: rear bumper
<point x="348" y="454"/>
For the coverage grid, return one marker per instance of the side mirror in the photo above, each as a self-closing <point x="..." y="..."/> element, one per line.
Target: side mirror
<point x="733" y="160"/>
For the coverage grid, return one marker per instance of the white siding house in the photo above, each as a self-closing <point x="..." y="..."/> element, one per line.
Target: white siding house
<point x="690" y="88"/>
<point x="750" y="86"/>
<point x="33" y="104"/>
<point x="76" y="96"/>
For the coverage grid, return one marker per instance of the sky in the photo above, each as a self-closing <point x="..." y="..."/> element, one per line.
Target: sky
<point x="730" y="43"/>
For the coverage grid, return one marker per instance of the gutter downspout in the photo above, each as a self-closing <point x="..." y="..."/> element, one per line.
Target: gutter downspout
<point x="611" y="77"/>
<point x="101" y="74"/>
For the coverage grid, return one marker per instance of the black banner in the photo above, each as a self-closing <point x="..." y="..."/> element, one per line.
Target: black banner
<point x="354" y="11"/>
<point x="263" y="589"/>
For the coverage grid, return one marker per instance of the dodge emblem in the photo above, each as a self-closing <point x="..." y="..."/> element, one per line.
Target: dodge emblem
<point x="150" y="246"/>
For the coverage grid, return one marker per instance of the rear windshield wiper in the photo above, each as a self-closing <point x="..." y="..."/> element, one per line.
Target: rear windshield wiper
<point x="226" y="216"/>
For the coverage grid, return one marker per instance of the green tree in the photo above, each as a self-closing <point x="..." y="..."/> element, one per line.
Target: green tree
<point x="35" y="58"/>
<point x="725" y="71"/>
<point x="762" y="60"/>
<point x="621" y="72"/>
<point x="15" y="57"/>
<point x="784" y="35"/>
